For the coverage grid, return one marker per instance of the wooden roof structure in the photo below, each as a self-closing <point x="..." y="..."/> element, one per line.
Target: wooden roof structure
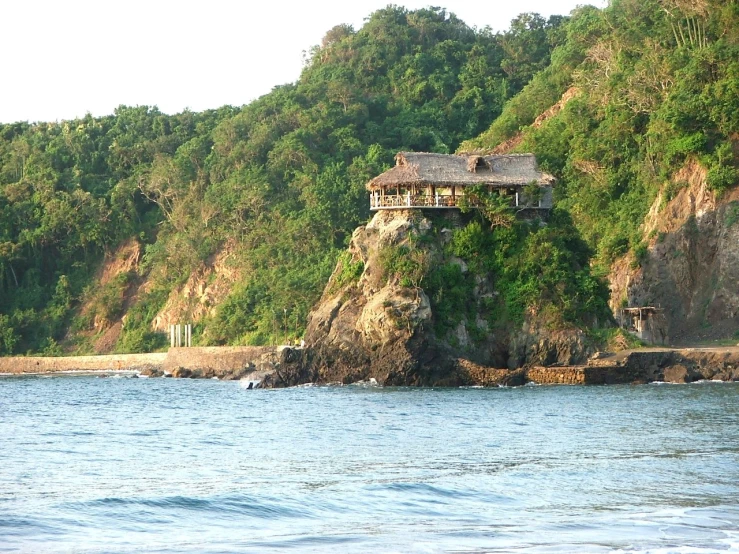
<point x="445" y="170"/>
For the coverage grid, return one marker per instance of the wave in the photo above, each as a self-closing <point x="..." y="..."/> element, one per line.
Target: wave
<point x="231" y="504"/>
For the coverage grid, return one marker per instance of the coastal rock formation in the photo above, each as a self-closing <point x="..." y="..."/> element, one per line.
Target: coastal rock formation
<point x="206" y="287"/>
<point x="372" y="326"/>
<point x="375" y="323"/>
<point x="274" y="367"/>
<point x="690" y="266"/>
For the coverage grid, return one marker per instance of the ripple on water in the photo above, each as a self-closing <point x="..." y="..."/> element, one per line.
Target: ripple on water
<point x="160" y="465"/>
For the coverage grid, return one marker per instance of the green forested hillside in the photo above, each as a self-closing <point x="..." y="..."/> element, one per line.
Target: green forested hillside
<point x="657" y="84"/>
<point x="281" y="178"/>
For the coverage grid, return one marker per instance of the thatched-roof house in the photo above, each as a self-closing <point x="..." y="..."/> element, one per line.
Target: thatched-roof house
<point x="423" y="180"/>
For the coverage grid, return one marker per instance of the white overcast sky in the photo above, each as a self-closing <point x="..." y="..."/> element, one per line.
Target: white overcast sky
<point x="64" y="58"/>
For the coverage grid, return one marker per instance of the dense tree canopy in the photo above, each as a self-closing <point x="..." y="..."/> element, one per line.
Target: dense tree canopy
<point x="657" y="84"/>
<point x="283" y="177"/>
<point x="281" y="180"/>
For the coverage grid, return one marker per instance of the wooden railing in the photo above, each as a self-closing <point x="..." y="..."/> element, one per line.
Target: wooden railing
<point x="411" y="201"/>
<point x="428" y="201"/>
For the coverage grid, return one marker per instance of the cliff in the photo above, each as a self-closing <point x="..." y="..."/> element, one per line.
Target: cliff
<point x="689" y="263"/>
<point x="380" y="314"/>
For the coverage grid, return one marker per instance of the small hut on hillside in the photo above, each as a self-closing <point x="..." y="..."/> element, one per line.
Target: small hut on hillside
<point x="423" y="180"/>
<point x="646" y="322"/>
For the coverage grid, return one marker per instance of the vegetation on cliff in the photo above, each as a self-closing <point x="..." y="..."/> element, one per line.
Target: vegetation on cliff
<point x="282" y="176"/>
<point x="281" y="180"/>
<point x="652" y="84"/>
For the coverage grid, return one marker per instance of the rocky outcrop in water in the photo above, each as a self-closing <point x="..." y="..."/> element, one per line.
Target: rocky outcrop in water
<point x="371" y="324"/>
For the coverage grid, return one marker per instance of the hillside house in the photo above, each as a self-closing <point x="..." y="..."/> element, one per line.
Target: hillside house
<point x="646" y="322"/>
<point x="439" y="181"/>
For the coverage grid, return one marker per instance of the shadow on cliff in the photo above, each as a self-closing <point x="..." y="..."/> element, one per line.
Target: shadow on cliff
<point x="381" y="317"/>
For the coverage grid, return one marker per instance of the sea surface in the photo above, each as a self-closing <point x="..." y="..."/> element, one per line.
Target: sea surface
<point x="92" y="464"/>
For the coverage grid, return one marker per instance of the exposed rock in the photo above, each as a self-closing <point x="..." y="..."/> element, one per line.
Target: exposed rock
<point x="206" y="287"/>
<point x="181" y="372"/>
<point x="119" y="264"/>
<point x="691" y="265"/>
<point x="377" y="328"/>
<point x="677" y="373"/>
<point x="283" y="367"/>
<point x="544" y="347"/>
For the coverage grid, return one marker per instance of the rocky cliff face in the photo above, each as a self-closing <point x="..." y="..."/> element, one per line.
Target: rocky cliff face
<point x="208" y="285"/>
<point x="373" y="325"/>
<point x="691" y="264"/>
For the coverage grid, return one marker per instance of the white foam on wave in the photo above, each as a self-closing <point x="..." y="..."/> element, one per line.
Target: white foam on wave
<point x="371" y="382"/>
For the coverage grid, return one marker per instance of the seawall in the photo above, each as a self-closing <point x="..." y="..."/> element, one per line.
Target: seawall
<point x="223" y="362"/>
<point x="114" y="362"/>
<point x="282" y="366"/>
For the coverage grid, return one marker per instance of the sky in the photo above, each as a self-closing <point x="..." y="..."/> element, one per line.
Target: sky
<point x="64" y="58"/>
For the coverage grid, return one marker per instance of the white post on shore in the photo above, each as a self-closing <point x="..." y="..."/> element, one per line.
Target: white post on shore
<point x="179" y="335"/>
<point x="171" y="336"/>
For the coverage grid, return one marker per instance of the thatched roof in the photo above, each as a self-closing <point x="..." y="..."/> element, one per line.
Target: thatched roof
<point x="421" y="168"/>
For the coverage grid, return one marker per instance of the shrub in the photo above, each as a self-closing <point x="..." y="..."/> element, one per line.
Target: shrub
<point x="409" y="266"/>
<point x="350" y="271"/>
<point x="732" y="214"/>
<point x="721" y="178"/>
<point x="641" y="253"/>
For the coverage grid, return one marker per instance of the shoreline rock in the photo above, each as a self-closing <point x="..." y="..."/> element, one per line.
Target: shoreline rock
<point x="269" y="367"/>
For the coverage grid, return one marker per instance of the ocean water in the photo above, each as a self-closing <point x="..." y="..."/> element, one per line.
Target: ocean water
<point x="108" y="465"/>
